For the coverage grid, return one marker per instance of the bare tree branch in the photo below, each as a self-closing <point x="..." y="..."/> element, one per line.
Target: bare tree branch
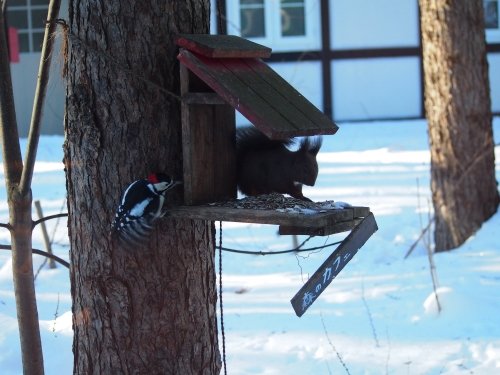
<point x="45" y="234"/>
<point x="41" y="89"/>
<point x="420" y="236"/>
<point x="12" y="159"/>
<point x="41" y="252"/>
<point x="4" y="12"/>
<point x="36" y="222"/>
<point x="50" y="217"/>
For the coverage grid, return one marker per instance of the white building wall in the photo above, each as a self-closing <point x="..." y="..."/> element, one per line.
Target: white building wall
<point x="24" y="75"/>
<point x="364" y="89"/>
<point x="367" y="88"/>
<point x="358" y="24"/>
<point x="494" y="67"/>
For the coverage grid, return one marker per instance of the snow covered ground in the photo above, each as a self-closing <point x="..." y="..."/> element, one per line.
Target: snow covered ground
<point x="379" y="316"/>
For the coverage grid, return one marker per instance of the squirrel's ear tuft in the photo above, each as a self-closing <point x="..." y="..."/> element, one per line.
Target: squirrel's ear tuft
<point x="311" y="145"/>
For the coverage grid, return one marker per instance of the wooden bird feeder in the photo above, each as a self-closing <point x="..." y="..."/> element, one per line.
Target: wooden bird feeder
<point x="218" y="75"/>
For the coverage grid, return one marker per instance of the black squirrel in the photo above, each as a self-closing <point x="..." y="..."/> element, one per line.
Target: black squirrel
<point x="267" y="166"/>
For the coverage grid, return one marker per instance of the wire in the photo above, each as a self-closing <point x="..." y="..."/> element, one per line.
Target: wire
<point x="220" y="300"/>
<point x="295" y="250"/>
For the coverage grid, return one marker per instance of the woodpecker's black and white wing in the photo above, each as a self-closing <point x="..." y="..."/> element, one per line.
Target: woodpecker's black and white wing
<point x="140" y="206"/>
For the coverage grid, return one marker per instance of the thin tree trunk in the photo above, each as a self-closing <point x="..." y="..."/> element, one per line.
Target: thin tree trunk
<point x="150" y="310"/>
<point x="24" y="283"/>
<point x="458" y="109"/>
<point x="20" y="223"/>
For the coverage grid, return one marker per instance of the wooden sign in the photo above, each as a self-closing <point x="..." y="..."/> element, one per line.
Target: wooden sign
<point x="333" y="265"/>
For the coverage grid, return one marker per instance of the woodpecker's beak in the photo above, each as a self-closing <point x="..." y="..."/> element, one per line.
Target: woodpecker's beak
<point x="171" y="185"/>
<point x="174" y="184"/>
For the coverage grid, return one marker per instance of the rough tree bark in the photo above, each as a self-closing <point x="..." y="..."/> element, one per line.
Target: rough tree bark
<point x="458" y="109"/>
<point x="152" y="310"/>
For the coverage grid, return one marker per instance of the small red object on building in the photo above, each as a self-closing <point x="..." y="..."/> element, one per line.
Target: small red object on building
<point x="13" y="45"/>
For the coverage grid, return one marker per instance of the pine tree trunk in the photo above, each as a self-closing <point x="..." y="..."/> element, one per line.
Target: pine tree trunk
<point x="458" y="109"/>
<point x="150" y="310"/>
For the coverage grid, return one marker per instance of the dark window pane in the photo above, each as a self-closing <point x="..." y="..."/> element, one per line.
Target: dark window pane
<point x="38" y="18"/>
<point x="37" y="41"/>
<point x="491" y="14"/>
<point x="252" y="23"/>
<point x="16" y="2"/>
<point x="24" y="43"/>
<point x="293" y="21"/>
<point x="251" y="2"/>
<point x="17" y="19"/>
<point x="40" y="2"/>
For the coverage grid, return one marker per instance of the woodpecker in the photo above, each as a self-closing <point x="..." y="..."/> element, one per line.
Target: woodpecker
<point x="142" y="203"/>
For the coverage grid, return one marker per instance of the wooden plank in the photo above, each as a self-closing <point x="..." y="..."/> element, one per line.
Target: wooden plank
<point x="208" y="153"/>
<point x="293" y="219"/>
<point x="339" y="227"/>
<point x="208" y="147"/>
<point x="224" y="149"/>
<point x="187" y="148"/>
<point x="235" y="92"/>
<point x="302" y="117"/>
<point x="253" y="100"/>
<point x="332" y="266"/>
<point x="203" y="98"/>
<point x="360" y="211"/>
<point x="284" y="97"/>
<point x="222" y="46"/>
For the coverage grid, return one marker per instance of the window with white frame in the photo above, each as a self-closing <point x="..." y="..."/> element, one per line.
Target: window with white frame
<point x="283" y="25"/>
<point x="491" y="14"/>
<point x="28" y="17"/>
<point x="252" y="16"/>
<point x="492" y="24"/>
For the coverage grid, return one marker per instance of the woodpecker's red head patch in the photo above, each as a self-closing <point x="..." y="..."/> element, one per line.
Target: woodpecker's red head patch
<point x="153" y="178"/>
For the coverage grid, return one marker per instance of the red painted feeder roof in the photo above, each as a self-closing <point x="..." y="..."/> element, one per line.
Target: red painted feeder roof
<point x="231" y="66"/>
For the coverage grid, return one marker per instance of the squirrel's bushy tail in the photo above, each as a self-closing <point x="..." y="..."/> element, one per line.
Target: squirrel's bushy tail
<point x="248" y="138"/>
<point x="311" y="145"/>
